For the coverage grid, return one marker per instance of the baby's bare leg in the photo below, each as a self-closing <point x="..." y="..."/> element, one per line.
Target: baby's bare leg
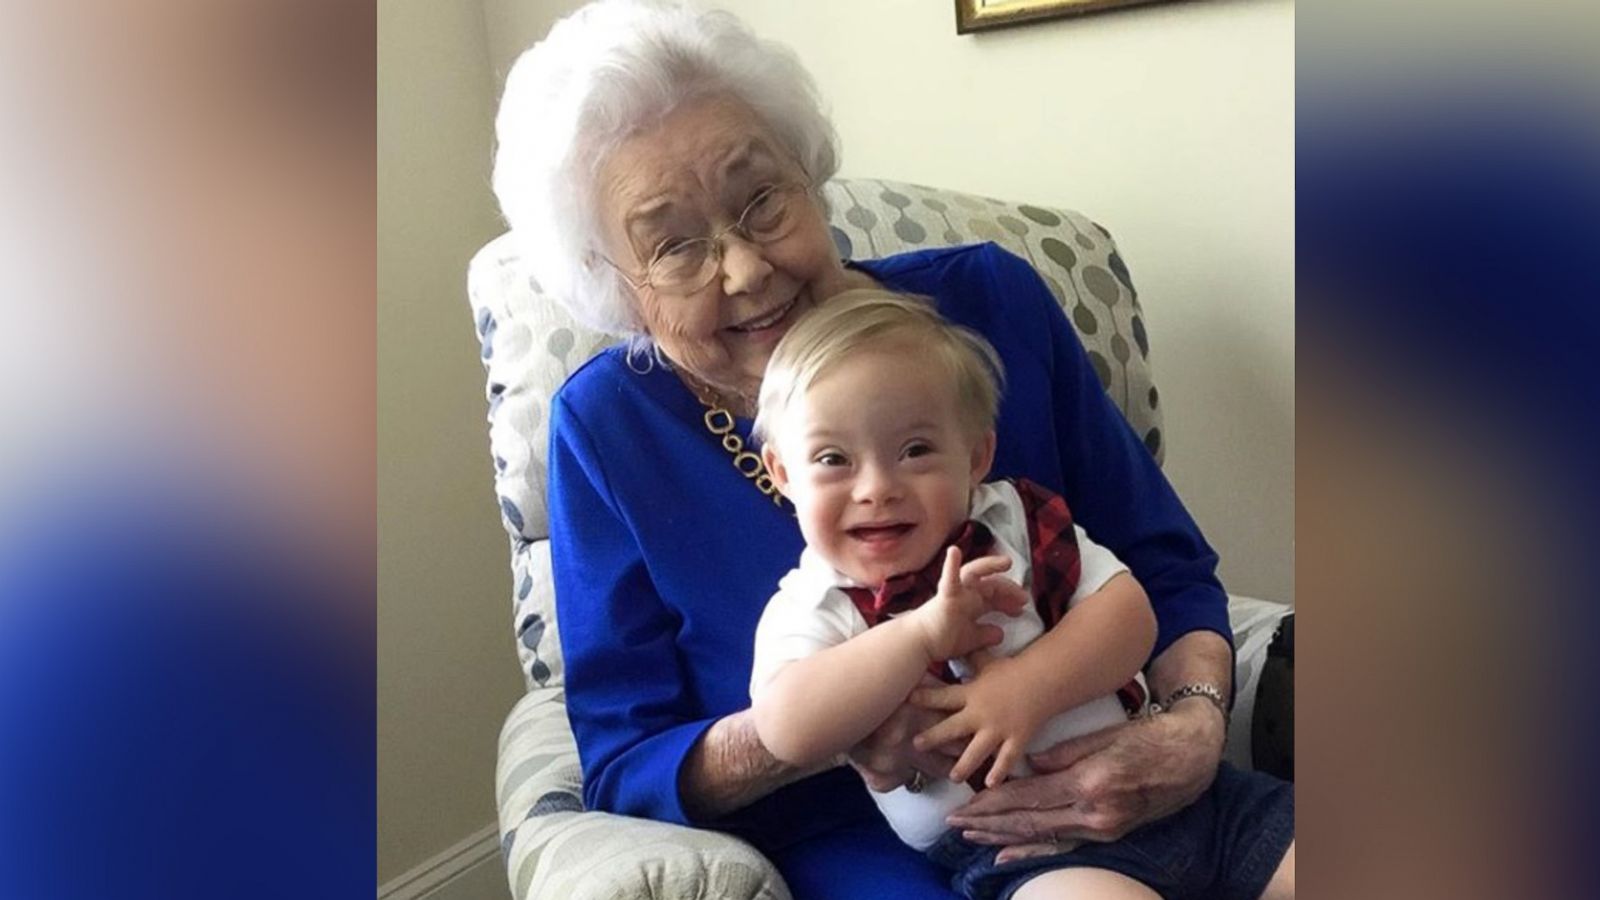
<point x="1281" y="887"/>
<point x="1084" y="884"/>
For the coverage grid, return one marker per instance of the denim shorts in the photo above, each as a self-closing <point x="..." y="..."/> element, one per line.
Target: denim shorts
<point x="1225" y="845"/>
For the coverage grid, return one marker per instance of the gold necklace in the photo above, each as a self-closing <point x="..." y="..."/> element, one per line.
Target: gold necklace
<point x="719" y="421"/>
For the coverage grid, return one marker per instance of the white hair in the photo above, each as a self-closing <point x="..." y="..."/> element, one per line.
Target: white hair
<point x="609" y="70"/>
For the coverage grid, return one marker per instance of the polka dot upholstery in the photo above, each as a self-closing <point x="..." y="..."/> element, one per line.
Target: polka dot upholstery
<point x="1076" y="258"/>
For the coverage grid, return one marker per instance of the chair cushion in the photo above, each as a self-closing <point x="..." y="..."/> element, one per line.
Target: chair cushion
<point x="534" y="605"/>
<point x="1076" y="258"/>
<point x="553" y="848"/>
<point x="529" y="344"/>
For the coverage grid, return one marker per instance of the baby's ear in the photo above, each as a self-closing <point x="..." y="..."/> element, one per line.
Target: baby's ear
<point x="983" y="456"/>
<point x="775" y="469"/>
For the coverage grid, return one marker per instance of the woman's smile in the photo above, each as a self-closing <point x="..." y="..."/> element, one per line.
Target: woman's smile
<point x="768" y="321"/>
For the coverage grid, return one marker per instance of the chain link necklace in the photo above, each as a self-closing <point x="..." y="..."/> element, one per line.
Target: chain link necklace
<point x="719" y="421"/>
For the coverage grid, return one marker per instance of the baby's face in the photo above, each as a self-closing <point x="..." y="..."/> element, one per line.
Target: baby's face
<point x="878" y="463"/>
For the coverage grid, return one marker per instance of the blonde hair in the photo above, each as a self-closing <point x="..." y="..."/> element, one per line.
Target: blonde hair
<point x="863" y="319"/>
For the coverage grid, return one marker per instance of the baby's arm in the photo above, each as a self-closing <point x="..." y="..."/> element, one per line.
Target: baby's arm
<point x="1096" y="648"/>
<point x="817" y="707"/>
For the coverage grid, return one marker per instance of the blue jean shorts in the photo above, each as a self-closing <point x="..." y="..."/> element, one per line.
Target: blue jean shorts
<point x="1225" y="845"/>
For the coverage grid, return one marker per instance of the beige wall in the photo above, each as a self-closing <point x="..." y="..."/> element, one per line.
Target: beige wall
<point x="1172" y="125"/>
<point x="447" y="670"/>
<point x="514" y="25"/>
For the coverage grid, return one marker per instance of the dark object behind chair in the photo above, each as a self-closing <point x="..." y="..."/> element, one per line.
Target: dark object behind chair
<point x="1272" y="728"/>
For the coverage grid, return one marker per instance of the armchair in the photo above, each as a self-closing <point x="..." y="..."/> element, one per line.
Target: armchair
<point x="529" y="345"/>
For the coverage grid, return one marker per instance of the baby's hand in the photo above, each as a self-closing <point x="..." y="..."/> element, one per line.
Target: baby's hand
<point x="997" y="713"/>
<point x="949" y="620"/>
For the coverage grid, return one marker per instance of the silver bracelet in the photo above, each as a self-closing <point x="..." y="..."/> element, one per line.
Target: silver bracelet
<point x="1195" y="689"/>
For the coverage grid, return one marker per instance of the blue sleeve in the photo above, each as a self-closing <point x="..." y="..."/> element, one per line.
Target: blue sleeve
<point x="1117" y="491"/>
<point x="627" y="694"/>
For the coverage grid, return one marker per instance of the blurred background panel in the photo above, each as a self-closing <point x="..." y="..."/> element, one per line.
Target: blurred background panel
<point x="187" y="386"/>
<point x="1448" y="181"/>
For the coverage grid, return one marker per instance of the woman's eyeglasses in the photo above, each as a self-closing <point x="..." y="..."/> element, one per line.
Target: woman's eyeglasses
<point x="687" y="266"/>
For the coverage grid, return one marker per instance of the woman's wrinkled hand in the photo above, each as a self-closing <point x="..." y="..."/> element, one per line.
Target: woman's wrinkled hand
<point x="1100" y="786"/>
<point x="886" y="759"/>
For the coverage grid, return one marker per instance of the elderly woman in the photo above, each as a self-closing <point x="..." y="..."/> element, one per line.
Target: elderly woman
<point x="664" y="169"/>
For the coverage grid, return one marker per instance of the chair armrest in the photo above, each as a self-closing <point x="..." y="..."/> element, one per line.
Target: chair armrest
<point x="553" y="848"/>
<point x="1261" y="690"/>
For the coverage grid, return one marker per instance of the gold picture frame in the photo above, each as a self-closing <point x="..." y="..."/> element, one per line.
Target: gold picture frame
<point x="981" y="15"/>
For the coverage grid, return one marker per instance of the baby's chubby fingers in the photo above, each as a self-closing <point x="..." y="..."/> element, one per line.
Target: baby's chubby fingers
<point x="973" y="573"/>
<point x="980" y="748"/>
<point x="952" y="729"/>
<point x="978" y="638"/>
<point x="981" y="659"/>
<point x="1005" y="762"/>
<point x="987" y="636"/>
<point x="949" y="697"/>
<point x="950" y="575"/>
<point x="1004" y="595"/>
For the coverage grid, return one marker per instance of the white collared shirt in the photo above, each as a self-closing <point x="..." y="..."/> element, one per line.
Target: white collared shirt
<point x="810" y="612"/>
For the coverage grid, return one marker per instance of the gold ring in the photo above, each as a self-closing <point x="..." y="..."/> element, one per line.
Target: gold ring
<point x="917" y="782"/>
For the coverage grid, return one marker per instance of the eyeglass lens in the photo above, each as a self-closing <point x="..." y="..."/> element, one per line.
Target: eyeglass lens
<point x="692" y="264"/>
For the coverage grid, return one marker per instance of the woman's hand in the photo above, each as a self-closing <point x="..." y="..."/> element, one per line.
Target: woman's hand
<point x="886" y="759"/>
<point x="1100" y="786"/>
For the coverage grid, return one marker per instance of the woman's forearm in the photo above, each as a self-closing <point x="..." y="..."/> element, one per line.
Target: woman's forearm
<point x="729" y="768"/>
<point x="1203" y="657"/>
<point x="1199" y="656"/>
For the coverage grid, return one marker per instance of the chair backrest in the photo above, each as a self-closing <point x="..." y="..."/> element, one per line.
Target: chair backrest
<point x="530" y="344"/>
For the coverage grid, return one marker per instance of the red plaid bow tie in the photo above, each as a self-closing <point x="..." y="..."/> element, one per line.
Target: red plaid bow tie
<point x="1054" y="556"/>
<point x="1056" y="569"/>
<point x="903" y="593"/>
